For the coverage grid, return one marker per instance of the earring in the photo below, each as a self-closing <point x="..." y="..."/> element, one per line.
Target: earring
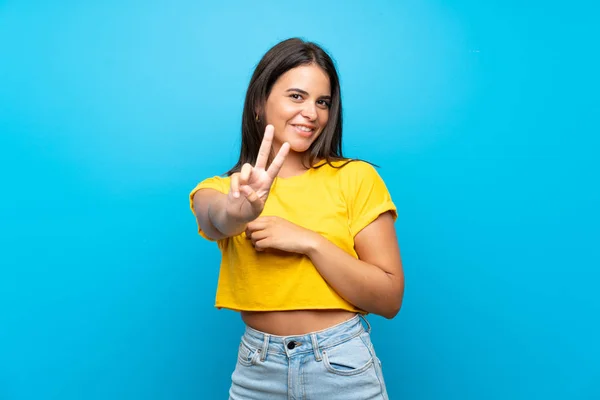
<point x="257" y="118"/>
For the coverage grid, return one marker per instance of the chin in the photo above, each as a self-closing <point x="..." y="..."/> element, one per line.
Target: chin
<point x="300" y="147"/>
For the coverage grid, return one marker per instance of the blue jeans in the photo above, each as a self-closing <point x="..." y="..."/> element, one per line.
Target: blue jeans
<point x="335" y="363"/>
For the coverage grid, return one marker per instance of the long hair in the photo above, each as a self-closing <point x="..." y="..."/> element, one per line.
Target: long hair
<point x="282" y="57"/>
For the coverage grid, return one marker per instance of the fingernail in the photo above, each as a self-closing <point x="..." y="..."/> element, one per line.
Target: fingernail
<point x="236" y="194"/>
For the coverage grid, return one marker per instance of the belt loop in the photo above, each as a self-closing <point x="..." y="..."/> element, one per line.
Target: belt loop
<point x="315" y="346"/>
<point x="265" y="347"/>
<point x="366" y="322"/>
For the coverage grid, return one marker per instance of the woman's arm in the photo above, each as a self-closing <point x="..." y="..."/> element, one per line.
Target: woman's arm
<point x="222" y="215"/>
<point x="210" y="207"/>
<point x="374" y="282"/>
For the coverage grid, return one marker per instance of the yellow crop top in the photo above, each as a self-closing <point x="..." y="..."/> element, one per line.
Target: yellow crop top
<point x="335" y="202"/>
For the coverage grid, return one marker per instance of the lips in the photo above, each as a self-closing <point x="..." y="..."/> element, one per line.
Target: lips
<point x="304" y="130"/>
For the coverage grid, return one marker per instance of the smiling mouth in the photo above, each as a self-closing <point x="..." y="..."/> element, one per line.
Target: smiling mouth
<point x="304" y="130"/>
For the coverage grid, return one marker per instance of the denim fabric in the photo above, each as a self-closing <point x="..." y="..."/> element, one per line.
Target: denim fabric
<point x="335" y="363"/>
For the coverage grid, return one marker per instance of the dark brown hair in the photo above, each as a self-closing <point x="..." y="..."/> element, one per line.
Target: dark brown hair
<point x="282" y="57"/>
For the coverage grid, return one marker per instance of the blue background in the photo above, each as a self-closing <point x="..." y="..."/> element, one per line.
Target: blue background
<point x="482" y="115"/>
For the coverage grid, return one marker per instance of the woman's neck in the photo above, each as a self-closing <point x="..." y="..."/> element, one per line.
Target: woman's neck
<point x="294" y="164"/>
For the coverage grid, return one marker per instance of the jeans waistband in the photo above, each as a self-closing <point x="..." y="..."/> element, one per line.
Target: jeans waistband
<point x="311" y="342"/>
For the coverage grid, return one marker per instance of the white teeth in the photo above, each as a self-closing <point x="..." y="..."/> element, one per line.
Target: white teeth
<point x="303" y="128"/>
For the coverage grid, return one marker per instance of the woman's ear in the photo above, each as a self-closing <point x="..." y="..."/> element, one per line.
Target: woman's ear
<point x="258" y="117"/>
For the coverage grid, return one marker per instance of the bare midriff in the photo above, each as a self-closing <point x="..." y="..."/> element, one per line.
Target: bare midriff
<point x="295" y="322"/>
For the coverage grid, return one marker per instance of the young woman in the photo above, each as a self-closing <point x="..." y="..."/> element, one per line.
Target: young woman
<point x="307" y="239"/>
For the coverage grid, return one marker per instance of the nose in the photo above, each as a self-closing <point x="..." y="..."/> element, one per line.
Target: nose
<point x="309" y="111"/>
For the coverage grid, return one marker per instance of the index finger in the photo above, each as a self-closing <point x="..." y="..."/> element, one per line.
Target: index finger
<point x="265" y="148"/>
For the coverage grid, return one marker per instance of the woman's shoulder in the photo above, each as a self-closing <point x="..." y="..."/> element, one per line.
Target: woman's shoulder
<point x="349" y="167"/>
<point x="217" y="182"/>
<point x="216" y="179"/>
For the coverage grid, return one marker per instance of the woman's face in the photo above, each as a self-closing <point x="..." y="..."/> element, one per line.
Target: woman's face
<point x="298" y="106"/>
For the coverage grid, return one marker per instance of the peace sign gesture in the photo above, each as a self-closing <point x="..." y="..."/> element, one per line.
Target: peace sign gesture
<point x="250" y="187"/>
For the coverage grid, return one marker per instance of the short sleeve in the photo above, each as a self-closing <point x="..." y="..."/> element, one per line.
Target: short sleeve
<point x="217" y="183"/>
<point x="366" y="194"/>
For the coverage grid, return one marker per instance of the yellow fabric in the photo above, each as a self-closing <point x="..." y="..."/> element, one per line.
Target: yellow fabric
<point x="337" y="203"/>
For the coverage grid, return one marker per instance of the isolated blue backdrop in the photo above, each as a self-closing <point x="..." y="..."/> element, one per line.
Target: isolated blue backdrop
<point x="479" y="114"/>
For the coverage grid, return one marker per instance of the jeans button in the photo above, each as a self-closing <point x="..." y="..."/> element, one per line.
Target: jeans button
<point x="291" y="345"/>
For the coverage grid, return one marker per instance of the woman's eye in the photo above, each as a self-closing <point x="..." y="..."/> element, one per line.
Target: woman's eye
<point x="324" y="103"/>
<point x="295" y="96"/>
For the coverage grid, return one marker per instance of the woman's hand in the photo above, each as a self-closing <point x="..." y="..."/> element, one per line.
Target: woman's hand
<point x="275" y="233"/>
<point x="250" y="187"/>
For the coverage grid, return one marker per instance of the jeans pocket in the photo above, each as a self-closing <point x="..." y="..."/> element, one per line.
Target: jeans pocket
<point x="247" y="355"/>
<point x="349" y="358"/>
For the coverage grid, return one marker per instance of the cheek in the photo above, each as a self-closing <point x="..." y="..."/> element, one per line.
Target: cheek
<point x="290" y="111"/>
<point x="283" y="112"/>
<point x="323" y="118"/>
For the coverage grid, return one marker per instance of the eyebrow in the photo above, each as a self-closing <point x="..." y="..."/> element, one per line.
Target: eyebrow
<point x="304" y="92"/>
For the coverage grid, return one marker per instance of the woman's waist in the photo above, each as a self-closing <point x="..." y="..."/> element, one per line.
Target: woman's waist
<point x="295" y="322"/>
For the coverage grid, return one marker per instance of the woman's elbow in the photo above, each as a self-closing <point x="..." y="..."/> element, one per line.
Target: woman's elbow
<point x="395" y="304"/>
<point x="391" y="311"/>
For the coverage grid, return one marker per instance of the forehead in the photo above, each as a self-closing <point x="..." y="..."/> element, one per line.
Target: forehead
<point x="310" y="78"/>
